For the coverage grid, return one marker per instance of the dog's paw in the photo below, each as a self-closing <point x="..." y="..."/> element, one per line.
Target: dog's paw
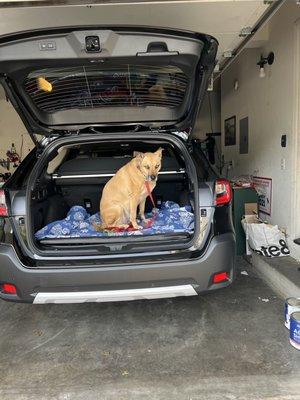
<point x="137" y="227"/>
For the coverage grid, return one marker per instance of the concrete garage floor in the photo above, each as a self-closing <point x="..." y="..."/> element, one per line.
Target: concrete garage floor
<point x="226" y="345"/>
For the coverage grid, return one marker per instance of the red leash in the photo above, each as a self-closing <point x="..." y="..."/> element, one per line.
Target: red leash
<point x="150" y="193"/>
<point x="149" y="223"/>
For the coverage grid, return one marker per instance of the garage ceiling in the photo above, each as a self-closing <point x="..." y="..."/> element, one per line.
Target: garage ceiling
<point x="222" y="19"/>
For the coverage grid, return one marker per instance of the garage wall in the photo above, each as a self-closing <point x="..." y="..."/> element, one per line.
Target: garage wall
<point x="12" y="130"/>
<point x="270" y="105"/>
<point x="204" y="124"/>
<point x="209" y="120"/>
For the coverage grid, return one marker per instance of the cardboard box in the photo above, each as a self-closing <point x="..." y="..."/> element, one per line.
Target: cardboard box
<point x="251" y="209"/>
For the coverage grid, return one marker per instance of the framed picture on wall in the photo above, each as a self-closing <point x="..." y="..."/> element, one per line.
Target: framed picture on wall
<point x="230" y="131"/>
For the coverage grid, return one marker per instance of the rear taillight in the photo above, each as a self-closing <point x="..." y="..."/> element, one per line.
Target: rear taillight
<point x="220" y="277"/>
<point x="8" y="288"/>
<point x="3" y="207"/>
<point x="223" y="192"/>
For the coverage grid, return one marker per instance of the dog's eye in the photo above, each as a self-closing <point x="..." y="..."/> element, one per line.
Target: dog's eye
<point x="157" y="166"/>
<point x="147" y="166"/>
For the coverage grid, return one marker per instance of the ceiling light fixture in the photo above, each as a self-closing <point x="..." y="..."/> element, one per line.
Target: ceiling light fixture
<point x="263" y="61"/>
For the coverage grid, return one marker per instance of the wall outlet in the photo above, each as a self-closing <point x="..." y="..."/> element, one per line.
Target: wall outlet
<point x="282" y="164"/>
<point x="231" y="164"/>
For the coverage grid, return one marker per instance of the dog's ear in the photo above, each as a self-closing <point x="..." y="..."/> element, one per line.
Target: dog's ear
<point x="138" y="154"/>
<point x="159" y="152"/>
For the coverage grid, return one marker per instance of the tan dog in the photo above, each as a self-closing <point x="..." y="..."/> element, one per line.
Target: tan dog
<point x="157" y="93"/>
<point x="126" y="191"/>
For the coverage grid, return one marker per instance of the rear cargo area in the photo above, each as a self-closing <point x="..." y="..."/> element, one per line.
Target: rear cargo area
<point x="69" y="185"/>
<point x="138" y="89"/>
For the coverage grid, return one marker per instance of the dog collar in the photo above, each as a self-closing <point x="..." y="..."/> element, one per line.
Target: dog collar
<point x="147" y="179"/>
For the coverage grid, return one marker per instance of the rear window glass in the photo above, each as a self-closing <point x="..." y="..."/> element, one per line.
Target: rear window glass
<point x="97" y="86"/>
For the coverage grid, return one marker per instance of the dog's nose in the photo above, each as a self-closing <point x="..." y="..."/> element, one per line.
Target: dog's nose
<point x="153" y="177"/>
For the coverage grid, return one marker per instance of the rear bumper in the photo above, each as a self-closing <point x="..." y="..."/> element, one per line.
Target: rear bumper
<point x="197" y="273"/>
